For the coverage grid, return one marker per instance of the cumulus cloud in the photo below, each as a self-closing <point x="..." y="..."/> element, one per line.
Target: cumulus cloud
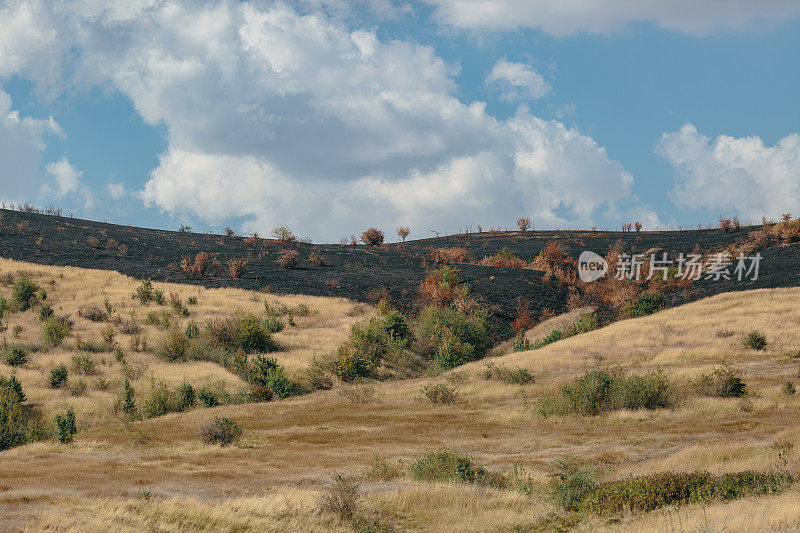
<point x="68" y="178"/>
<point x="22" y="141"/>
<point x="517" y="81"/>
<point x="116" y="190"/>
<point x="729" y="174"/>
<point x="283" y="115"/>
<point x="565" y="17"/>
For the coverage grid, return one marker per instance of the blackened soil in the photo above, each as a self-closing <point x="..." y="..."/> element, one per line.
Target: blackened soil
<point x="355" y="271"/>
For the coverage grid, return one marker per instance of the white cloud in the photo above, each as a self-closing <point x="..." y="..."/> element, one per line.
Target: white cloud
<point x="287" y="116"/>
<point x="517" y="81"/>
<point x="22" y="141"/>
<point x="116" y="190"/>
<point x="68" y="178"/>
<point x="728" y="174"/>
<point x="565" y="17"/>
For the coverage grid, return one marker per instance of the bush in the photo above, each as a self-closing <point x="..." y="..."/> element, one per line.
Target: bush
<point x="448" y="467"/>
<point x="173" y="346"/>
<point x="65" y="425"/>
<point x="146" y="293"/>
<point x="788" y="388"/>
<point x="55" y="329"/>
<point x="159" y="402"/>
<point x="570" y="484"/>
<point x="45" y="312"/>
<point x="646" y="493"/>
<point x="451" y="336"/>
<point x="449" y="256"/>
<point x="241" y="331"/>
<point x="723" y="382"/>
<point x="645" y="304"/>
<point x="521" y="343"/>
<point x="755" y="340"/>
<point x="12" y="417"/>
<point x="583" y="324"/>
<point x="341" y="498"/>
<point x="284" y="234"/>
<point x="126" y="402"/>
<point x="267" y="379"/>
<point x="24" y="294"/>
<point x="236" y="267"/>
<point x="84" y="364"/>
<point x="15" y="355"/>
<point x="439" y="393"/>
<point x="288" y="259"/>
<point x="550" y="338"/>
<point x="350" y="364"/>
<point x="441" y="286"/>
<point x="220" y="431"/>
<point x="524" y="223"/>
<point x="598" y="391"/>
<point x="58" y="376"/>
<point x="514" y="376"/>
<point x="93" y="313"/>
<point x="185" y="397"/>
<point x="372" y="237"/>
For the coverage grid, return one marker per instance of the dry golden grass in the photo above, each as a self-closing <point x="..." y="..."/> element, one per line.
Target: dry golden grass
<point x="70" y="288"/>
<point x="273" y="477"/>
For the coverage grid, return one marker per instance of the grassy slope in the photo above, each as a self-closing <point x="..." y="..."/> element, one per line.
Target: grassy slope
<point x="272" y="479"/>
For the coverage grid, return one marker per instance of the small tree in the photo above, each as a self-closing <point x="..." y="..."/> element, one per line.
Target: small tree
<point x="524" y="223"/>
<point x="786" y="217"/>
<point x="637" y="226"/>
<point x="66" y="426"/>
<point x="403" y="232"/>
<point x="284" y="234"/>
<point x="372" y="237"/>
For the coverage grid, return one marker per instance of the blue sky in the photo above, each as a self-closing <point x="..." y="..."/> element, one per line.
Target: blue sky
<point x="333" y="116"/>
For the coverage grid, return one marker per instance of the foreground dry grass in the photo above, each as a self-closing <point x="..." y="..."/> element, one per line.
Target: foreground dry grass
<point x="157" y="475"/>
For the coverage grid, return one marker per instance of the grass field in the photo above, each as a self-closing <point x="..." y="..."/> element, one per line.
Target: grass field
<point x="158" y="475"/>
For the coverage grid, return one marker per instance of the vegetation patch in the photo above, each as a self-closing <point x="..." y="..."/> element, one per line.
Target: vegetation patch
<point x="448" y="467"/>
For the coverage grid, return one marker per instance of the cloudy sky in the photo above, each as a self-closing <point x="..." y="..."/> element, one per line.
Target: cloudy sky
<point x="336" y="115"/>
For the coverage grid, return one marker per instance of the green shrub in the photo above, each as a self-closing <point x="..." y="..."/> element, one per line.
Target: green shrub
<point x="598" y="391"/>
<point x="3" y="307"/>
<point x="15" y="422"/>
<point x="241" y="331"/>
<point x="550" y="338"/>
<point x="350" y="365"/>
<point x="15" y="355"/>
<point x="395" y="325"/>
<point x="514" y="376"/>
<point x="208" y="397"/>
<point x="788" y="388"/>
<point x="220" y="431"/>
<point x="45" y="312"/>
<point x="173" y="345"/>
<point x="583" y="324"/>
<point x="93" y="313"/>
<point x="645" y="304"/>
<point x="24" y="294"/>
<point x="65" y="425"/>
<point x="58" y="376"/>
<point x="570" y="484"/>
<point x="267" y="379"/>
<point x="15" y="386"/>
<point x="452" y="337"/>
<point x="185" y="397"/>
<point x="78" y="388"/>
<point x="448" y="467"/>
<point x="55" y="329"/>
<point x="159" y="402"/>
<point x="84" y="364"/>
<point x="521" y="343"/>
<point x="723" y="382"/>
<point x="439" y="393"/>
<point x="126" y="402"/>
<point x="146" y="293"/>
<point x="755" y="340"/>
<point x="646" y="493"/>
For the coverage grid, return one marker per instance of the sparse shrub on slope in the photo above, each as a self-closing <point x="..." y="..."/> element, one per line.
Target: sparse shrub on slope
<point x="220" y="431"/>
<point x="372" y="237"/>
<point x="55" y="329"/>
<point x="599" y="391"/>
<point x="452" y="337"/>
<point x="570" y="483"/>
<point x="24" y="294"/>
<point x="723" y="382"/>
<point x="268" y="379"/>
<point x="341" y="499"/>
<point x="241" y="331"/>
<point x="15" y="355"/>
<point x="58" y="376"/>
<point x="449" y="256"/>
<point x="554" y="336"/>
<point x="65" y="426"/>
<point x="514" y="376"/>
<point x="645" y="304"/>
<point x="146" y="293"/>
<point x="439" y="393"/>
<point x="646" y="493"/>
<point x="755" y="340"/>
<point x="449" y="467"/>
<point x="288" y="259"/>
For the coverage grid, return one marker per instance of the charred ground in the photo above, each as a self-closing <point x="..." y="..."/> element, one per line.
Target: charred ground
<point x="356" y="271"/>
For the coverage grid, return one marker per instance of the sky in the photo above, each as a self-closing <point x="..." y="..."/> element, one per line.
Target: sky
<point x="332" y="116"/>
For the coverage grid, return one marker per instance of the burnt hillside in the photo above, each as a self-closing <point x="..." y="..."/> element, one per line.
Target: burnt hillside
<point x="355" y="271"/>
